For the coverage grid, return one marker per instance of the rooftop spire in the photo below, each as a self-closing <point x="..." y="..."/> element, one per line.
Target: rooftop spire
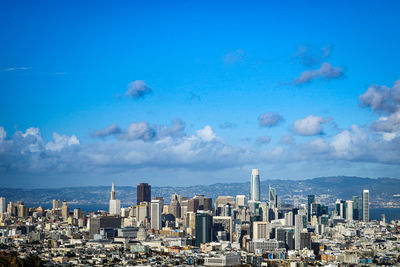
<point x="112" y="192"/>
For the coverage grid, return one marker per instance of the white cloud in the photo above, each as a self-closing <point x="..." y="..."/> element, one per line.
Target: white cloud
<point x="61" y="141"/>
<point x="138" y="89"/>
<point x="326" y="72"/>
<point x="311" y="125"/>
<point x="207" y="134"/>
<point x="386" y="102"/>
<point x="269" y="119"/>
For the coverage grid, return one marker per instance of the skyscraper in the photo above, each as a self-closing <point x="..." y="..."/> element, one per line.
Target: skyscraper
<point x="64" y="209"/>
<point x="356" y="208"/>
<point x="175" y="208"/>
<point x="298" y="228"/>
<point x="240" y="201"/>
<point x="255" y="185"/>
<point x="349" y="210"/>
<point x="115" y="204"/>
<point x="155" y="214"/>
<point x="193" y="205"/>
<point x="143" y="193"/>
<point x="311" y="199"/>
<point x="272" y="198"/>
<point x="203" y="229"/>
<point x="365" y="205"/>
<point x="3" y="205"/>
<point x="56" y="204"/>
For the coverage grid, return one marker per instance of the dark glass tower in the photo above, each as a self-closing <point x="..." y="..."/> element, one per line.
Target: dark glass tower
<point x="143" y="193"/>
<point x="356" y="208"/>
<point x="204" y="230"/>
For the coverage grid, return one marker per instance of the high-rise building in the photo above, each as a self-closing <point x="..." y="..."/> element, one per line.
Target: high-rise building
<point x="207" y="203"/>
<point x="311" y="199"/>
<point x="240" y="201"/>
<point x="298" y="228"/>
<point x="203" y="228"/>
<point x="255" y="185"/>
<point x="143" y="193"/>
<point x="349" y="210"/>
<point x="175" y="208"/>
<point x="3" y="205"/>
<point x="115" y="204"/>
<point x="64" y="209"/>
<point x="155" y="214"/>
<point x="22" y="210"/>
<point x="260" y="230"/>
<point x="356" y="208"/>
<point x="193" y="205"/>
<point x="77" y="213"/>
<point x="365" y="205"/>
<point x="56" y="204"/>
<point x="272" y="198"/>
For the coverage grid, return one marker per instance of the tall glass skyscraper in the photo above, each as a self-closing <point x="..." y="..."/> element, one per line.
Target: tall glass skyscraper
<point x="272" y="198"/>
<point x="255" y="185"/>
<point x="356" y="208"/>
<point x="365" y="205"/>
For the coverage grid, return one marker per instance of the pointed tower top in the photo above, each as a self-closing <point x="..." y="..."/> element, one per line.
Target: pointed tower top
<point x="112" y="187"/>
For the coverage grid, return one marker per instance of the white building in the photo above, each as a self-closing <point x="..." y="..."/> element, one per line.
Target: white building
<point x="3" y="205"/>
<point x="155" y="214"/>
<point x="115" y="204"/>
<point x="261" y="230"/>
<point x="365" y="205"/>
<point x="255" y="185"/>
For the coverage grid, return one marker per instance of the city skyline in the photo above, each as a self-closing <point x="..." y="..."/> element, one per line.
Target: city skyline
<point x="184" y="93"/>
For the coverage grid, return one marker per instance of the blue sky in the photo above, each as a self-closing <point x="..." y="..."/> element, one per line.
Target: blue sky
<point x="174" y="92"/>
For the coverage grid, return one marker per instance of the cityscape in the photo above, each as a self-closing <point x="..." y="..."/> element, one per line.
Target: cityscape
<point x="197" y="230"/>
<point x="199" y="133"/>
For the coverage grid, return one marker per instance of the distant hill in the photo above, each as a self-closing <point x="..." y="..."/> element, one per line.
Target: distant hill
<point x="329" y="188"/>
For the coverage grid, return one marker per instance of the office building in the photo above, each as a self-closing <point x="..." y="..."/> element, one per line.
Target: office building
<point x="365" y="205"/>
<point x="255" y="185"/>
<point x="56" y="204"/>
<point x="3" y="205"/>
<point x="143" y="193"/>
<point x="261" y="230"/>
<point x="240" y="201"/>
<point x="203" y="228"/>
<point x="64" y="210"/>
<point x="175" y="208"/>
<point x="193" y="205"/>
<point x="207" y="204"/>
<point x="155" y="214"/>
<point x="115" y="204"/>
<point x="22" y="210"/>
<point x="349" y="210"/>
<point x="298" y="228"/>
<point x="356" y="208"/>
<point x="272" y="197"/>
<point x="77" y="213"/>
<point x="310" y="200"/>
<point x="105" y="222"/>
